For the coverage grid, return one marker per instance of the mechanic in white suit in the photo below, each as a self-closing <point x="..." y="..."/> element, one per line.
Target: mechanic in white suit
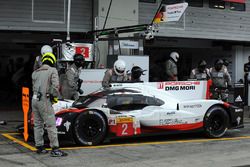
<point x="116" y="74"/>
<point x="171" y="67"/>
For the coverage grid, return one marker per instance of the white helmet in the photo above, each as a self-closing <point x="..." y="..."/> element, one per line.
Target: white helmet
<point x="46" y="49"/>
<point x="119" y="67"/>
<point x="174" y="56"/>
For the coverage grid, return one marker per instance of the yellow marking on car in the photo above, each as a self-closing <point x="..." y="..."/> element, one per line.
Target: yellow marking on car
<point x="32" y="148"/>
<point x="124" y="119"/>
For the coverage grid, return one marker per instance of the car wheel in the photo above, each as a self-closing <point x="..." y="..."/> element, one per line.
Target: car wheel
<point x="90" y="128"/>
<point x="216" y="122"/>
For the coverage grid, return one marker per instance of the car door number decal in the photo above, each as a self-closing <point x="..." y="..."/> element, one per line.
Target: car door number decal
<point x="124" y="129"/>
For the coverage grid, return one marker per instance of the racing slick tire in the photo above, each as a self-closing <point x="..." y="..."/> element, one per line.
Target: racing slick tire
<point x="90" y="128"/>
<point x="216" y="122"/>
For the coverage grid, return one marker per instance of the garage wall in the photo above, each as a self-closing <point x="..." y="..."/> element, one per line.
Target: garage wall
<point x="45" y="15"/>
<point x="240" y="57"/>
<point x="122" y="13"/>
<point x="203" y="23"/>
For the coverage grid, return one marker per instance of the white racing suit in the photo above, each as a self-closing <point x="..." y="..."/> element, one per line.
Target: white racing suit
<point x="111" y="77"/>
<point x="196" y="74"/>
<point x="171" y="70"/>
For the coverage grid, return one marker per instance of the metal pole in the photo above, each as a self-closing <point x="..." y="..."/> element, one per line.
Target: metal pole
<point x="68" y="20"/>
<point x="104" y="25"/>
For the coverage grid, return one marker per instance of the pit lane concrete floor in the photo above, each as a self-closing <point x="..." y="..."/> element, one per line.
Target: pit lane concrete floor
<point x="175" y="151"/>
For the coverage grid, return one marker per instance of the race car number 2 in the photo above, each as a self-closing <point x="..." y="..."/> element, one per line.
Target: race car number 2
<point x="125" y="127"/>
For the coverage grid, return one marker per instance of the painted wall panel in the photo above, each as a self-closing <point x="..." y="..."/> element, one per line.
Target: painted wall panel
<point x="122" y="13"/>
<point x="47" y="15"/>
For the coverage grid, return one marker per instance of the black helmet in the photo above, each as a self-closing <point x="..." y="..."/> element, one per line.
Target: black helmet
<point x="218" y="64"/>
<point x="78" y="60"/>
<point x="136" y="72"/>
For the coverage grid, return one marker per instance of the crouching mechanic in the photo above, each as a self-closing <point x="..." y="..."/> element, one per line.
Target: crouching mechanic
<point x="116" y="74"/>
<point x="71" y="83"/>
<point x="45" y="92"/>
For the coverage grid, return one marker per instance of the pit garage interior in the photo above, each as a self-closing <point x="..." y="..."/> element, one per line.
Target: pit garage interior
<point x="19" y="49"/>
<point x="191" y="52"/>
<point x="22" y="38"/>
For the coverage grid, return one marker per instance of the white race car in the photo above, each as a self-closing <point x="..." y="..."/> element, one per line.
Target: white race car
<point x="142" y="108"/>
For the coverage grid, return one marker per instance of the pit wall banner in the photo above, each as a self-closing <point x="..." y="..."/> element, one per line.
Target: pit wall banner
<point x="183" y="90"/>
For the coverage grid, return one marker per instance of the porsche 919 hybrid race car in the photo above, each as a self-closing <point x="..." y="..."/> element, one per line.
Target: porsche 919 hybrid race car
<point x="145" y="108"/>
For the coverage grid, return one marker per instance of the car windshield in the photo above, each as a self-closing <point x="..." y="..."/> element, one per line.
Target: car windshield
<point x="97" y="99"/>
<point x="127" y="102"/>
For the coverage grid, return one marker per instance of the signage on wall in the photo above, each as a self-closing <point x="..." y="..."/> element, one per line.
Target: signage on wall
<point x="129" y="44"/>
<point x="83" y="51"/>
<point x="170" y="13"/>
<point x="70" y="49"/>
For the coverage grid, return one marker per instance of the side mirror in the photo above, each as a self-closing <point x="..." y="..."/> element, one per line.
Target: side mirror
<point x="104" y="105"/>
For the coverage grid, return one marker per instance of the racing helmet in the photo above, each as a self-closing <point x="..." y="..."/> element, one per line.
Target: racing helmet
<point x="202" y="65"/>
<point x="78" y="60"/>
<point x="119" y="67"/>
<point x="218" y="64"/>
<point x="46" y="49"/>
<point x="174" y="56"/>
<point x="136" y="72"/>
<point x="49" y="59"/>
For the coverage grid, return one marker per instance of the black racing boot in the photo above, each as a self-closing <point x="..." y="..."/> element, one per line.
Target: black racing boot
<point x="41" y="150"/>
<point x="56" y="152"/>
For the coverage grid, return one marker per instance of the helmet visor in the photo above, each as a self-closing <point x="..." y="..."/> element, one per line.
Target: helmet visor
<point x="119" y="71"/>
